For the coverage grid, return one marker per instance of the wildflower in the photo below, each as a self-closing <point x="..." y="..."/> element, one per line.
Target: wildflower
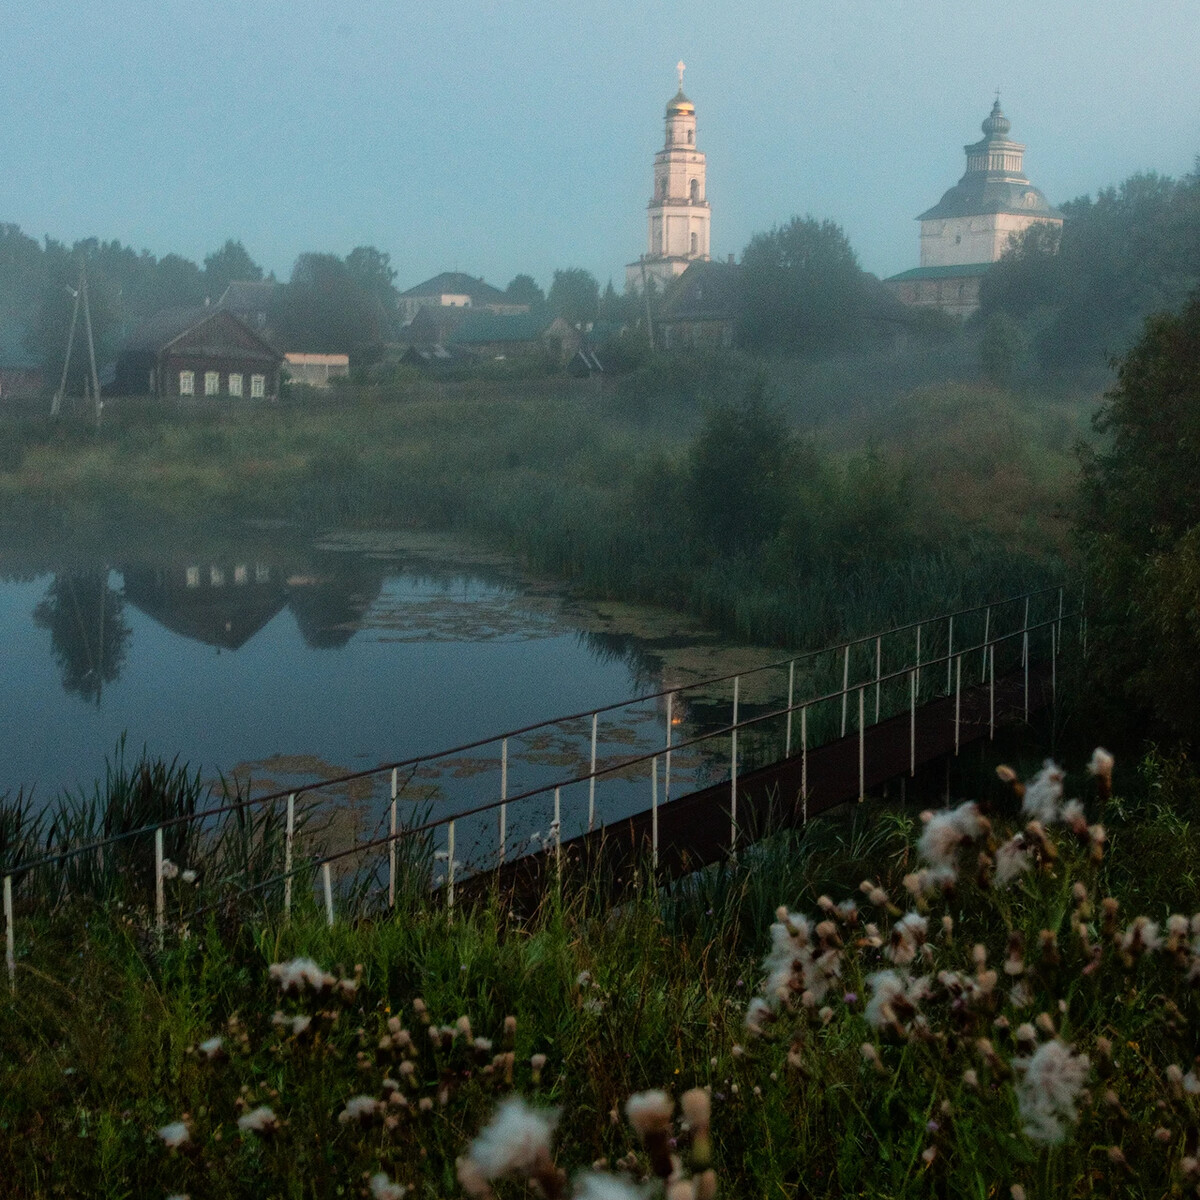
<point x="1140" y="938"/>
<point x="1101" y="767"/>
<point x="650" y="1115"/>
<point x="928" y="1155"/>
<point x="681" y="1189"/>
<point x="946" y="831"/>
<point x="169" y="869"/>
<point x="697" y="1110"/>
<point x="1043" y="794"/>
<point x="1014" y="964"/>
<point x="462" y="1027"/>
<point x="888" y="1000"/>
<point x="596" y="1185"/>
<point x="1098" y="837"/>
<point x="1048" y="1090"/>
<point x="1074" y="818"/>
<point x="261" y="1120"/>
<point x="1177" y="931"/>
<point x="1045" y="1023"/>
<point x="1021" y="995"/>
<point x="1191" y="1083"/>
<point x="1017" y="1192"/>
<point x="537" y="1064"/>
<point x="362" y="1109"/>
<point x="758" y="1013"/>
<point x="175" y="1135"/>
<point x="300" y="974"/>
<point x="1012" y="859"/>
<point x="908" y="935"/>
<point x="515" y="1141"/>
<point x="871" y="1056"/>
<point x="382" y="1188"/>
<point x="970" y="1078"/>
<point x="211" y="1049"/>
<point x="188" y="876"/>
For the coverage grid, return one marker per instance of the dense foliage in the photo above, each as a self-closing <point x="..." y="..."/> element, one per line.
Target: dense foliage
<point x="1132" y="251"/>
<point x="1139" y="525"/>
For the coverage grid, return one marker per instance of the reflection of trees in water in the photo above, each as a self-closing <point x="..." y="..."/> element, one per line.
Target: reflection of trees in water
<point x="644" y="666"/>
<point x="329" y="608"/>
<point x="88" y="632"/>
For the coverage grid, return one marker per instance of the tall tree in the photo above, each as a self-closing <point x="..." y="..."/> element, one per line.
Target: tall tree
<point x="524" y="290"/>
<point x="802" y="289"/>
<point x="325" y="309"/>
<point x="574" y="295"/>
<point x="230" y="264"/>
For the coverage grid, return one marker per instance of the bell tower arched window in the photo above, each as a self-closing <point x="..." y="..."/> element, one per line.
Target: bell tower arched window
<point x="695" y="191"/>
<point x="695" y="243"/>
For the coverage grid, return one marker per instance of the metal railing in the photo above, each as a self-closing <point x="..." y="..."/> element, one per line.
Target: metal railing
<point x="762" y="721"/>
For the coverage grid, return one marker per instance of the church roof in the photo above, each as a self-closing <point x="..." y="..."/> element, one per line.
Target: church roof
<point x="706" y="291"/>
<point x="457" y="283"/>
<point x="976" y="194"/>
<point x="680" y="105"/>
<point x="993" y="182"/>
<point x="956" y="271"/>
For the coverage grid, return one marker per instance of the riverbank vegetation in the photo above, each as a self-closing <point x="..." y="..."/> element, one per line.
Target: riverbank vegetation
<point x="693" y="484"/>
<point x="998" y="1001"/>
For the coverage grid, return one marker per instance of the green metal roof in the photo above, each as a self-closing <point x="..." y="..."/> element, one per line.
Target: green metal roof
<point x="961" y="271"/>
<point x="481" y="327"/>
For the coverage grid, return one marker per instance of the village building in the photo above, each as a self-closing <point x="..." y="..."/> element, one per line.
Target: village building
<point x="678" y="216"/>
<point x="454" y="289"/>
<point x="316" y="370"/>
<point x="700" y="309"/>
<point x="973" y="223"/>
<point x="198" y="354"/>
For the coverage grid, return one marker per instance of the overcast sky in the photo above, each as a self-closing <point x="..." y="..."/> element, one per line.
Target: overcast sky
<point x="497" y="137"/>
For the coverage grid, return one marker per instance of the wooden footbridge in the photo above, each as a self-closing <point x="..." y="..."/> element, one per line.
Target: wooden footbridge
<point x="680" y="778"/>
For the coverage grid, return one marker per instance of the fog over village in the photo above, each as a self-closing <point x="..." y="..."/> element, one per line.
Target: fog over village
<point x="600" y="603"/>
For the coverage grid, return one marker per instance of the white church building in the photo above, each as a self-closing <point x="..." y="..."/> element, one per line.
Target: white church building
<point x="678" y="216"/>
<point x="971" y="226"/>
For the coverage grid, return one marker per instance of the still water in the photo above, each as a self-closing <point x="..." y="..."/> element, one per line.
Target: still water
<point x="281" y="666"/>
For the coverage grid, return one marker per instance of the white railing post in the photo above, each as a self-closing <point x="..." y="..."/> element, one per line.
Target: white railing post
<point x="392" y="847"/>
<point x="328" y="894"/>
<point x="918" y="675"/>
<point x="787" y="750"/>
<point x="160" y="899"/>
<point x="654" y="812"/>
<point x="10" y="936"/>
<point x="912" y="722"/>
<point x="592" y="778"/>
<point x="667" y="763"/>
<point x="878" y="673"/>
<point x="992" y="692"/>
<point x="558" y="832"/>
<point x="804" y="764"/>
<point x="845" y="685"/>
<point x="450" y="867"/>
<point x="987" y="634"/>
<point x="733" y="766"/>
<point x="949" y="654"/>
<point x="288" y="837"/>
<point x="957" y="698"/>
<point x="862" y="746"/>
<point x="503" y="797"/>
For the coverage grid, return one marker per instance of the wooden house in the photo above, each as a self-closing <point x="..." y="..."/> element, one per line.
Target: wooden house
<point x="198" y="354"/>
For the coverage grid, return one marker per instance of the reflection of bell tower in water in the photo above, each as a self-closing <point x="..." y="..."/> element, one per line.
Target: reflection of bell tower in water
<point x="678" y="216"/>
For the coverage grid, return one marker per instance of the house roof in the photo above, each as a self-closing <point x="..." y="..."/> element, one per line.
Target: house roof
<point x="706" y="291"/>
<point x="478" y="328"/>
<point x="457" y="283"/>
<point x="156" y="334"/>
<point x="249" y="295"/>
<point x="959" y="271"/>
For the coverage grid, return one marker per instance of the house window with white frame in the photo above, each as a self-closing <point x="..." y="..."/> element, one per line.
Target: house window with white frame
<point x="235" y="385"/>
<point x="187" y="383"/>
<point x="258" y="387"/>
<point x="212" y="383"/>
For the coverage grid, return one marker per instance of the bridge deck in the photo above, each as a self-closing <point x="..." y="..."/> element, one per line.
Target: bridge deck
<point x="694" y="830"/>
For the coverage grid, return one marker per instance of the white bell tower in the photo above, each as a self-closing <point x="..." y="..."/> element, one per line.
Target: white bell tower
<point x="678" y="216"/>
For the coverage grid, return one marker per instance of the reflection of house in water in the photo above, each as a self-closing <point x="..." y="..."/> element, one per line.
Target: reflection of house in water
<point x="329" y="605"/>
<point x="219" y="604"/>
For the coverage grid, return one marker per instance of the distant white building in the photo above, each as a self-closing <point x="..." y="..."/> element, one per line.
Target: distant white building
<point x="973" y="223"/>
<point x="678" y="216"/>
<point x="316" y="370"/>
<point x="455" y="289"/>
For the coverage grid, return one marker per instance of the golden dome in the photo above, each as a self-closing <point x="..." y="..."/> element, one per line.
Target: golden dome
<point x="680" y="106"/>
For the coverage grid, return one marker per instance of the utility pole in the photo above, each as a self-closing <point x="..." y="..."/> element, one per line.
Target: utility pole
<point x="81" y="298"/>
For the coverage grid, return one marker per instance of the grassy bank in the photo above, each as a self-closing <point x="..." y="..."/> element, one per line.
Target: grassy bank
<point x="108" y="1039"/>
<point x="924" y="501"/>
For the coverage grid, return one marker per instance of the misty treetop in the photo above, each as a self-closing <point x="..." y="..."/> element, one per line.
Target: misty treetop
<point x="1082" y="297"/>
